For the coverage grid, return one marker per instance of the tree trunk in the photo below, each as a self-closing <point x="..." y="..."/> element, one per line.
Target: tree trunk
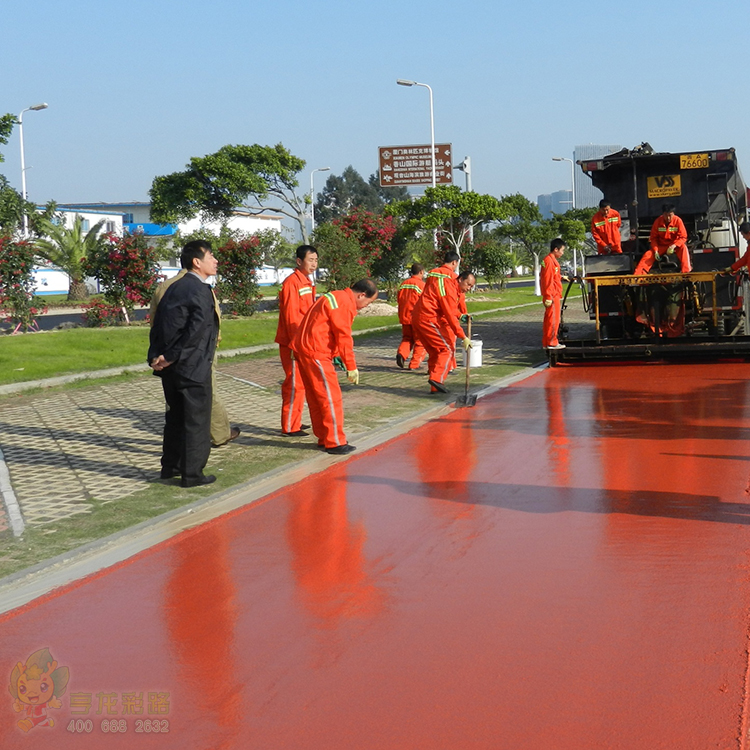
<point x="77" y="291"/>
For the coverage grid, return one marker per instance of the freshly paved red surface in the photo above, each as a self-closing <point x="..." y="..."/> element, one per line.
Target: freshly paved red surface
<point x="563" y="566"/>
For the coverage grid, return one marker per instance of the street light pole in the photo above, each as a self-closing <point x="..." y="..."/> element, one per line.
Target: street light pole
<point x="573" y="199"/>
<point x="34" y="108"/>
<point x="312" y="197"/>
<point x="465" y="167"/>
<point x="404" y="82"/>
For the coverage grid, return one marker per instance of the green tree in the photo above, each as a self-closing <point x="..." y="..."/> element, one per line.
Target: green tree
<point x="213" y="186"/>
<point x="526" y="228"/>
<point x="450" y="210"/>
<point x="66" y="248"/>
<point x="387" y="195"/>
<point x="343" y="194"/>
<point x="17" y="283"/>
<point x="276" y="251"/>
<point x="494" y="260"/>
<point x="340" y="256"/>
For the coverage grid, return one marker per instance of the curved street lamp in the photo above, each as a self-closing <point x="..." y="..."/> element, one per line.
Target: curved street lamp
<point x="404" y="82"/>
<point x="33" y="108"/>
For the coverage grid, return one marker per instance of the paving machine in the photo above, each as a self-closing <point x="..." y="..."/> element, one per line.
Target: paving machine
<point x="665" y="312"/>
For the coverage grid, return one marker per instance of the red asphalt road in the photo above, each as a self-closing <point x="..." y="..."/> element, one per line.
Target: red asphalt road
<point x="563" y="566"/>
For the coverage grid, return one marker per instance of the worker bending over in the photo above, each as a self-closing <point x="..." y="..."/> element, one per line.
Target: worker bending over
<point x="550" y="281"/>
<point x="605" y="229"/>
<point x="409" y="292"/>
<point x="435" y="317"/>
<point x="296" y="297"/>
<point x="668" y="237"/>
<point x="324" y="333"/>
<point x="745" y="259"/>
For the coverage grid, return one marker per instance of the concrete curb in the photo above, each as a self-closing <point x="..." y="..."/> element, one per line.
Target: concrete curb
<point x="23" y="587"/>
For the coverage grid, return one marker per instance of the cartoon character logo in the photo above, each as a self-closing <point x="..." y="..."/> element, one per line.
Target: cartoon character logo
<point x="37" y="686"/>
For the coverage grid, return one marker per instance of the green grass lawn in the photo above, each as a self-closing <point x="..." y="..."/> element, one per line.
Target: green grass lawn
<point x="36" y="356"/>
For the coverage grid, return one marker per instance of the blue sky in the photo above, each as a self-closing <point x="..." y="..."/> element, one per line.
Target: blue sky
<point x="135" y="89"/>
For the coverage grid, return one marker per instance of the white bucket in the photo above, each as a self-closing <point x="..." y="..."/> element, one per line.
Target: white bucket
<point x="475" y="353"/>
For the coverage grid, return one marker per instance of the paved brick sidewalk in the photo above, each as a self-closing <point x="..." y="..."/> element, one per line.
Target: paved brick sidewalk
<point x="103" y="442"/>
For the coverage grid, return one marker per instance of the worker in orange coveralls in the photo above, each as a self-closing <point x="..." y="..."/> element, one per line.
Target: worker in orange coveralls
<point x="745" y="259"/>
<point x="466" y="281"/>
<point x="605" y="229"/>
<point x="324" y="333"/>
<point x="550" y="281"/>
<point x="435" y="316"/>
<point x="409" y="292"/>
<point x="295" y="299"/>
<point x="668" y="237"/>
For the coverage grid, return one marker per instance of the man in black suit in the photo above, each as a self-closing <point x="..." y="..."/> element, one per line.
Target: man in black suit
<point x="182" y="345"/>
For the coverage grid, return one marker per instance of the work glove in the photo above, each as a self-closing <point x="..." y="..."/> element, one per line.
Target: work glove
<point x="353" y="377"/>
<point x="467" y="343"/>
<point x="656" y="256"/>
<point x="728" y="269"/>
<point x="465" y="319"/>
<point x="670" y="250"/>
<point x="338" y="362"/>
<point x="548" y="303"/>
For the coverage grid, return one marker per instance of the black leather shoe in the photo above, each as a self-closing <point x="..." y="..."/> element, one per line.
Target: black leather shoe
<point x="400" y="361"/>
<point x="438" y="386"/>
<point x="304" y="427"/>
<point x="169" y="473"/>
<point x="297" y="433"/>
<point x="199" y="482"/>
<point x="341" y="450"/>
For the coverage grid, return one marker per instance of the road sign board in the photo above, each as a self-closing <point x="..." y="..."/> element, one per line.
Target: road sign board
<point x="411" y="165"/>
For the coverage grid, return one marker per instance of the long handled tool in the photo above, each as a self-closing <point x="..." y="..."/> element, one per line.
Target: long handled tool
<point x="467" y="399"/>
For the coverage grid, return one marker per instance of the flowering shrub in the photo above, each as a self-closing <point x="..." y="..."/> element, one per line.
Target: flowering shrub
<point x="17" y="283"/>
<point x="237" y="282"/>
<point x="353" y="244"/>
<point x="100" y="313"/>
<point x="127" y="269"/>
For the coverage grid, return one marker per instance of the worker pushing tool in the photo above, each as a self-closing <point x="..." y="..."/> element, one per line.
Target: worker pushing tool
<point x="668" y="237"/>
<point x="409" y="292"/>
<point x="550" y="281"/>
<point x="605" y="229"/>
<point x="435" y="317"/>
<point x="326" y="332"/>
<point x="296" y="297"/>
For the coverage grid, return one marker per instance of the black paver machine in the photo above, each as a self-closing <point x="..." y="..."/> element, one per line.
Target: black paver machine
<point x="666" y="313"/>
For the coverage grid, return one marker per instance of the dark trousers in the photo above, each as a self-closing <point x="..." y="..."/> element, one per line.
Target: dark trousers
<point x="187" y="426"/>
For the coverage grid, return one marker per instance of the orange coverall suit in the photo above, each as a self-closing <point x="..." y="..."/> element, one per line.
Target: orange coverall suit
<point x="326" y="332"/>
<point x="606" y="231"/>
<point x="435" y="320"/>
<point x="664" y="234"/>
<point x="408" y="293"/>
<point x="551" y="284"/>
<point x="295" y="299"/>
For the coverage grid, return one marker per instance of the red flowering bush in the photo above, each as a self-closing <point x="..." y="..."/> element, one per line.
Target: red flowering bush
<point x="127" y="269"/>
<point x="100" y="313"/>
<point x="349" y="246"/>
<point x="237" y="282"/>
<point x="17" y="283"/>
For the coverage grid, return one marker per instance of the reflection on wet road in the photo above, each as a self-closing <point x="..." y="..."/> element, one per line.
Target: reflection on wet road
<point x="563" y="566"/>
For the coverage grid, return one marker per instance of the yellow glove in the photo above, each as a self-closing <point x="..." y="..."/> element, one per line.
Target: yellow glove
<point x="353" y="376"/>
<point x="728" y="269"/>
<point x="467" y="343"/>
<point x="548" y="303"/>
<point x="670" y="250"/>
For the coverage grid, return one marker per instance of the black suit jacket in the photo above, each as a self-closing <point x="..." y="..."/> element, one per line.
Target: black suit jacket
<point x="185" y="329"/>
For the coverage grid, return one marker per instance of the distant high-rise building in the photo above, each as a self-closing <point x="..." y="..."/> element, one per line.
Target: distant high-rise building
<point x="587" y="196"/>
<point x="554" y="203"/>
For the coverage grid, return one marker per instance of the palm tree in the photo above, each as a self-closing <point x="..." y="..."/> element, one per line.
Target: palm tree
<point x="66" y="248"/>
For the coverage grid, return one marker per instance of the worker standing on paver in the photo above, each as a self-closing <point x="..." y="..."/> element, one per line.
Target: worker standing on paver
<point x="668" y="237"/>
<point x="409" y="292"/>
<point x="222" y="432"/>
<point x="326" y="332"/>
<point x="550" y="282"/>
<point x="745" y="259"/>
<point x="296" y="297"/>
<point x="435" y="316"/>
<point x="605" y="229"/>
